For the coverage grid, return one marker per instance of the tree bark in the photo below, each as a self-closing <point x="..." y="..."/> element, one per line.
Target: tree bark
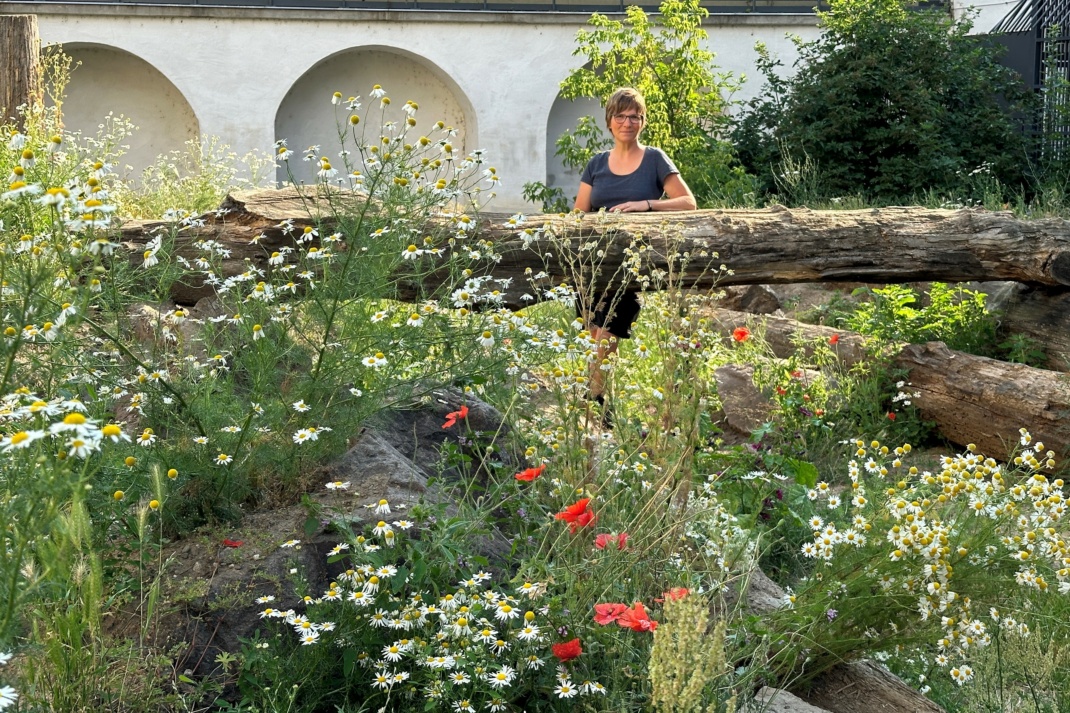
<point x="985" y="401"/>
<point x="20" y="80"/>
<point x="1042" y="315"/>
<point x="776" y="245"/>
<point x="787" y="336"/>
<point x="971" y="399"/>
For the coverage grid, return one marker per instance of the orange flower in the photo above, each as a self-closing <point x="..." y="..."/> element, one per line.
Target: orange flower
<point x="567" y="651"/>
<point x="834" y="339"/>
<point x="636" y="619"/>
<point x="741" y="334"/>
<point x="530" y="474"/>
<point x="606" y="614"/>
<point x="453" y="417"/>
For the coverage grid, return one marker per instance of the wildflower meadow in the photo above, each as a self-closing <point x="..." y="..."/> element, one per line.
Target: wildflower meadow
<point x="560" y="556"/>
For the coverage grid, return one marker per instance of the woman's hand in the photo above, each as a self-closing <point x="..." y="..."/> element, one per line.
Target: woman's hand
<point x="631" y="207"/>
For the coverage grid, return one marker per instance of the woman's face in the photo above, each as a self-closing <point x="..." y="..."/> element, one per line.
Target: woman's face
<point x="627" y="124"/>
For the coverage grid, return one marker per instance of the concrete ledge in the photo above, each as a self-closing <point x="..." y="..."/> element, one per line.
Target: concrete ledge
<point x="752" y="19"/>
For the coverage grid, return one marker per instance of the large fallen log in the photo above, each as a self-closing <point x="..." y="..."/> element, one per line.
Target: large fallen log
<point x="984" y="401"/>
<point x="774" y="245"/>
<point x="1042" y="315"/>
<point x="971" y="399"/>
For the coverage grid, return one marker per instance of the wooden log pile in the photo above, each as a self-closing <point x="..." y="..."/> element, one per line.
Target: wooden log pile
<point x="971" y="399"/>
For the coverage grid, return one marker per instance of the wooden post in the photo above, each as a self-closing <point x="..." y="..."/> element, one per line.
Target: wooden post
<point x="20" y="52"/>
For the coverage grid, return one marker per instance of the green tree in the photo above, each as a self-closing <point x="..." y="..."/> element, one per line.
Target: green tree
<point x="687" y="97"/>
<point x="888" y="102"/>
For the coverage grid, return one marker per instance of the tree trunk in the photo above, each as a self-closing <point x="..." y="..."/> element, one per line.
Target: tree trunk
<point x="985" y="401"/>
<point x="20" y="80"/>
<point x="1042" y="315"/>
<point x="775" y="245"/>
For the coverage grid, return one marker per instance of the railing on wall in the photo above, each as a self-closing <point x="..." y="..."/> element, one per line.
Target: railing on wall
<point x="584" y="6"/>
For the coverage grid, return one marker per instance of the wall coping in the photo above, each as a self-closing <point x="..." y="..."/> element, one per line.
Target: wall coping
<point x="114" y="10"/>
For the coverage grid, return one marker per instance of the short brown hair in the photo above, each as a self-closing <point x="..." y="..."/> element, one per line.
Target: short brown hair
<point x="625" y="98"/>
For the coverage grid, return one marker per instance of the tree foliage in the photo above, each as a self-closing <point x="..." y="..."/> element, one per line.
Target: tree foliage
<point x="687" y="97"/>
<point x="888" y="103"/>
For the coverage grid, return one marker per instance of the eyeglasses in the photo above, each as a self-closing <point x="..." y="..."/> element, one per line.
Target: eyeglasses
<point x="628" y="118"/>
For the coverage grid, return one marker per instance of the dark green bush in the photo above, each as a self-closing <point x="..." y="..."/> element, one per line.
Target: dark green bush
<point x="889" y="103"/>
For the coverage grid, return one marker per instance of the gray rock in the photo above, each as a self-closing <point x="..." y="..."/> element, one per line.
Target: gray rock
<point x="743" y="407"/>
<point x="756" y="299"/>
<point x="376" y="470"/>
<point x="417" y="434"/>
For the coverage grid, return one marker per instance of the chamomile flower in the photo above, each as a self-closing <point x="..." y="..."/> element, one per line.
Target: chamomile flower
<point x="565" y="689"/>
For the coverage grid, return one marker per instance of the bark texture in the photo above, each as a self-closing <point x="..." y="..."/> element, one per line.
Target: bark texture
<point x="20" y="47"/>
<point x="985" y="401"/>
<point x="971" y="399"/>
<point x="774" y="245"/>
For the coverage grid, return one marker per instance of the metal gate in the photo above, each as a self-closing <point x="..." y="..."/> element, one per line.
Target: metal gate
<point x="1043" y="26"/>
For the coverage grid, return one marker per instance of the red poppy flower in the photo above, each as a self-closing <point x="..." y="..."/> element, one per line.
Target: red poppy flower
<point x="232" y="543"/>
<point x="530" y="474"/>
<point x="453" y="417"/>
<point x="834" y="339"/>
<point x="608" y="613"/>
<point x="891" y="416"/>
<point x="567" y="651"/>
<point x="677" y="593"/>
<point x="585" y="518"/>
<point x="573" y="511"/>
<point x="780" y="390"/>
<point x="636" y="619"/>
<point x="605" y="539"/>
<point x="741" y="334"/>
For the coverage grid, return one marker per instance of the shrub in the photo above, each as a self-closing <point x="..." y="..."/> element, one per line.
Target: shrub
<point x="889" y="102"/>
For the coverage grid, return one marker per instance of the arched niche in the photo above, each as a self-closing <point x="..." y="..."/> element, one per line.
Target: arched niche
<point x="564" y="116"/>
<point x="307" y="118"/>
<point x="107" y="80"/>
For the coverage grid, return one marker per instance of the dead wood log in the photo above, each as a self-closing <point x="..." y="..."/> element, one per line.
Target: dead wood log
<point x="971" y="399"/>
<point x="787" y="336"/>
<point x="984" y="401"/>
<point x="774" y="245"/>
<point x="1043" y="315"/>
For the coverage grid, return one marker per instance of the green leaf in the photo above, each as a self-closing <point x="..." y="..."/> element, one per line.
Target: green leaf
<point x="312" y="525"/>
<point x="349" y="661"/>
<point x="804" y="471"/>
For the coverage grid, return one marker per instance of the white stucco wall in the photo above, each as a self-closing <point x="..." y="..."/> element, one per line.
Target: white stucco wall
<point x="106" y="80"/>
<point x="306" y="116"/>
<point x="236" y="66"/>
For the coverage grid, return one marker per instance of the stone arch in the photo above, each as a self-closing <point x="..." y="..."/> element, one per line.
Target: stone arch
<point x="107" y="80"/>
<point x="564" y="116"/>
<point x="306" y="118"/>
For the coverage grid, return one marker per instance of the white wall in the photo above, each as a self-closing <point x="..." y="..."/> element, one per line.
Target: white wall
<point x="306" y="115"/>
<point x="235" y="67"/>
<point x="110" y="80"/>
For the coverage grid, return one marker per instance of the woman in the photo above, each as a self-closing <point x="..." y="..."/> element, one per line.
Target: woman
<point x="629" y="178"/>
